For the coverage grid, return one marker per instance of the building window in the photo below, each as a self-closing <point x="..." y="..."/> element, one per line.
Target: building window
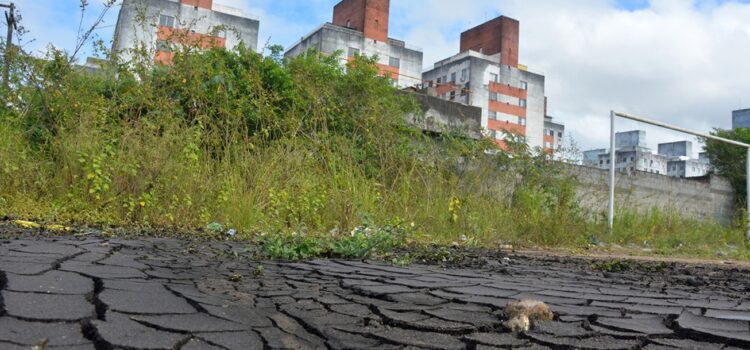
<point x="559" y="134"/>
<point x="353" y="52"/>
<point x="166" y="21"/>
<point x="163" y="46"/>
<point x="601" y="161"/>
<point x="463" y="74"/>
<point x="438" y="80"/>
<point x="394" y="62"/>
<point x="552" y="133"/>
<point x="524" y="85"/>
<point x="453" y="77"/>
<point x="493" y="96"/>
<point x="521" y="121"/>
<point x="522" y="103"/>
<point x="493" y="77"/>
<point x="453" y="95"/>
<point x="492" y="115"/>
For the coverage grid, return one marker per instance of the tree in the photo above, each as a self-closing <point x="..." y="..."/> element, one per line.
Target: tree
<point x="730" y="160"/>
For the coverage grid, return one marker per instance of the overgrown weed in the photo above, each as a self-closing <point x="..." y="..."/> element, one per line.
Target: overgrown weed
<point x="285" y="151"/>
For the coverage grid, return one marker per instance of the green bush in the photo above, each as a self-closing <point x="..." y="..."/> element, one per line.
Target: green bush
<point x="362" y="242"/>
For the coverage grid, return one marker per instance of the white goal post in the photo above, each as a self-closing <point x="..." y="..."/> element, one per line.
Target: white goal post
<point x="613" y="115"/>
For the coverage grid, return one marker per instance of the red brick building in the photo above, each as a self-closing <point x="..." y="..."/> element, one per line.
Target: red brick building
<point x="486" y="73"/>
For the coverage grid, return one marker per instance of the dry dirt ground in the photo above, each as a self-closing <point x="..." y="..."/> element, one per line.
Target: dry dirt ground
<point x="97" y="293"/>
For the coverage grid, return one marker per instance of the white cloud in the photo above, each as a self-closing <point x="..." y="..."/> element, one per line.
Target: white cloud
<point x="280" y="22"/>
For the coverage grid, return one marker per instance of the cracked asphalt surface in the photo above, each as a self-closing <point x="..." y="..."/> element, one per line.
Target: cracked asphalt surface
<point x="94" y="293"/>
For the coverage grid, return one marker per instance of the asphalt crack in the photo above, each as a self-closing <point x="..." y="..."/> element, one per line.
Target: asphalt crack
<point x="3" y="284"/>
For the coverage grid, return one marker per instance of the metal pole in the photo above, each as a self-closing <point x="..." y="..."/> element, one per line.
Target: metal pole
<point x="747" y="196"/>
<point x="612" y="160"/>
<point x="677" y="128"/>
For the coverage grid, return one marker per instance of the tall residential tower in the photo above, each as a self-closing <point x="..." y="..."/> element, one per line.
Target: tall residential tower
<point x="486" y="73"/>
<point x="360" y="27"/>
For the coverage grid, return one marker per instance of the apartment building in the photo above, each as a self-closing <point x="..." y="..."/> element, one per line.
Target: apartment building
<point x="486" y="73"/>
<point x="632" y="154"/>
<point x="741" y="118"/>
<point x="360" y="27"/>
<point x="160" y="25"/>
<point x="553" y="134"/>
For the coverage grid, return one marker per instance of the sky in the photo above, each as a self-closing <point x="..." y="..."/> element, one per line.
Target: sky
<point x="681" y="62"/>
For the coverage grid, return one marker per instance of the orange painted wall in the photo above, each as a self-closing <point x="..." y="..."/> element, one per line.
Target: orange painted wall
<point x="386" y="69"/>
<point x="163" y="57"/>
<point x="383" y="69"/>
<point x="502" y="107"/>
<point x="443" y="88"/>
<point x="513" y="128"/>
<point x="206" y="4"/>
<point x="508" y="90"/>
<point x="184" y="37"/>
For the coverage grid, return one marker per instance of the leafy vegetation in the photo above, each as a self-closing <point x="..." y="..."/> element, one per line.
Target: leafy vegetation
<point x="730" y="160"/>
<point x="293" y="154"/>
<point x="363" y="241"/>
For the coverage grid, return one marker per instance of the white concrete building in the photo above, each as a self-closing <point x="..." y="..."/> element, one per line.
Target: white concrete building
<point x="360" y="27"/>
<point x="673" y="158"/>
<point x="553" y="134"/>
<point x="486" y="74"/>
<point x="162" y="24"/>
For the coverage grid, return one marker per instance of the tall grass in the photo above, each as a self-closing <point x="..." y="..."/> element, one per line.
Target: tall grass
<point x="270" y="146"/>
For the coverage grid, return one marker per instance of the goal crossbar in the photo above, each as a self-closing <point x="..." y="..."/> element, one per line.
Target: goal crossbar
<point x="612" y="157"/>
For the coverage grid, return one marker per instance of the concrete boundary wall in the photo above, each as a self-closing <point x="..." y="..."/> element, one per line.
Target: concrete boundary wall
<point x="706" y="198"/>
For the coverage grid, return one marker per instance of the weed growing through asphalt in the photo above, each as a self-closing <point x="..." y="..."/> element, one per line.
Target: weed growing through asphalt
<point x="363" y="241"/>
